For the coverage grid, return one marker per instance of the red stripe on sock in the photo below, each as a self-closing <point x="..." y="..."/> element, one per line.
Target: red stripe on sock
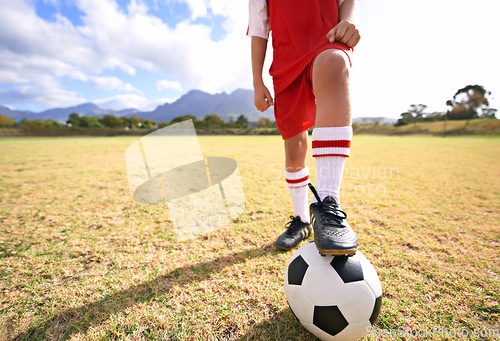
<point x="298" y="180"/>
<point x="321" y="155"/>
<point x="330" y="143"/>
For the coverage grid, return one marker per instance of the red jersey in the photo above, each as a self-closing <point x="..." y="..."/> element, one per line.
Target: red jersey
<point x="299" y="29"/>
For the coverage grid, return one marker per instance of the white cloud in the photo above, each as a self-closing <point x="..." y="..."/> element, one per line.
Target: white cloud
<point x="24" y="33"/>
<point x="137" y="7"/>
<point x="32" y="49"/>
<point x="408" y="53"/>
<point x="47" y="96"/>
<point x="186" y="53"/>
<point x="198" y="8"/>
<point x="166" y="85"/>
<point x="11" y="77"/>
<point x="112" y="83"/>
<point x="119" y="102"/>
<point x="128" y="101"/>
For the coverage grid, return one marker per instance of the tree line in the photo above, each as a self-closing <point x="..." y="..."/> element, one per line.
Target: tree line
<point x="209" y="122"/>
<point x="469" y="102"/>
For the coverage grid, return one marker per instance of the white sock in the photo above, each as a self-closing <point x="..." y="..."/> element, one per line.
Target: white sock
<point x="330" y="148"/>
<point x="297" y="183"/>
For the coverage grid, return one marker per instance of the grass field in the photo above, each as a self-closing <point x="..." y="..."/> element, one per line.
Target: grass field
<point x="80" y="260"/>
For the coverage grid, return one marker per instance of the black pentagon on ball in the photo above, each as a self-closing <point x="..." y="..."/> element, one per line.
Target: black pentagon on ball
<point x="376" y="310"/>
<point x="349" y="269"/>
<point x="297" y="270"/>
<point x="329" y="319"/>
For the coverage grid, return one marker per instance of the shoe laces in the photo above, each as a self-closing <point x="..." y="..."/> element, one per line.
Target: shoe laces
<point x="331" y="211"/>
<point x="293" y="225"/>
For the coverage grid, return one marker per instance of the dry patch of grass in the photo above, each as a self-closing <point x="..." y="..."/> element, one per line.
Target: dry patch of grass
<point x="80" y="260"/>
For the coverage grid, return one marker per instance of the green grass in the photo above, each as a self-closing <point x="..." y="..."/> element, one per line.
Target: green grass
<point x="80" y="260"/>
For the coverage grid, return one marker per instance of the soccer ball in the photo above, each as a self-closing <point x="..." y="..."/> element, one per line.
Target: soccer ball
<point x="334" y="297"/>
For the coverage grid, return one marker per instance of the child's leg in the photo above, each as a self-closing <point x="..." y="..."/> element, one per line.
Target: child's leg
<point x="296" y="152"/>
<point x="297" y="173"/>
<point x="297" y="178"/>
<point x="333" y="132"/>
<point x="330" y="147"/>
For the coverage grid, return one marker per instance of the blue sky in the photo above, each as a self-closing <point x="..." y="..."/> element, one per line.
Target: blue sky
<point x="142" y="53"/>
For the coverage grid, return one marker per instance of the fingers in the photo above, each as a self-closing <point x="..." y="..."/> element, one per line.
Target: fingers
<point x="345" y="33"/>
<point x="351" y="37"/>
<point x="353" y="41"/>
<point x="261" y="105"/>
<point x="269" y="98"/>
<point x="331" y="35"/>
<point x="263" y="99"/>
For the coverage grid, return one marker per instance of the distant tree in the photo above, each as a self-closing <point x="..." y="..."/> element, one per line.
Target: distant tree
<point x="356" y="127"/>
<point x="414" y="113"/>
<point x="433" y="116"/>
<point x="23" y="122"/>
<point x="460" y="111"/>
<point x="404" y="119"/>
<point x="37" y="124"/>
<point x="264" y="123"/>
<point x="6" y="121"/>
<point x="136" y="122"/>
<point x="125" y="122"/>
<point x="31" y="124"/>
<point x="212" y="121"/>
<point x="468" y="102"/>
<point x="417" y="110"/>
<point x="489" y="112"/>
<point x="162" y="125"/>
<point x="110" y="121"/>
<point x="149" y="124"/>
<point x="241" y="122"/>
<point x="90" y="122"/>
<point x="52" y="124"/>
<point x="73" y="120"/>
<point x="183" y="118"/>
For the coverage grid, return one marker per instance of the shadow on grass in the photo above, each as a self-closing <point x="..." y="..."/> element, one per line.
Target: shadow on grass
<point x="281" y="326"/>
<point x="80" y="319"/>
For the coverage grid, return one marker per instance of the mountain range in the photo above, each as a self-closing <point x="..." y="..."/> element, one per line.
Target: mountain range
<point x="195" y="102"/>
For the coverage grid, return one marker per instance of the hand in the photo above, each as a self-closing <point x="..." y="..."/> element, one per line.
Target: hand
<point x="346" y="33"/>
<point x="262" y="97"/>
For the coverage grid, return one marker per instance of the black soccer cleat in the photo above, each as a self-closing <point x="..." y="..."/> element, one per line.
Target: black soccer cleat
<point x="296" y="232"/>
<point x="332" y="233"/>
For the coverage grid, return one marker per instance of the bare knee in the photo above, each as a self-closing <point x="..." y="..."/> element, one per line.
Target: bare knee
<point x="330" y="69"/>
